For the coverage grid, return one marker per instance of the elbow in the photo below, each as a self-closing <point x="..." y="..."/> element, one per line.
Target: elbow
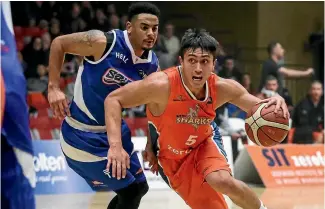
<point x="56" y="45"/>
<point x="112" y="101"/>
<point x="284" y="73"/>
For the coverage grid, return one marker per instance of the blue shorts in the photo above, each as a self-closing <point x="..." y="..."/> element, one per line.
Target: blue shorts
<point x="16" y="189"/>
<point x="86" y="154"/>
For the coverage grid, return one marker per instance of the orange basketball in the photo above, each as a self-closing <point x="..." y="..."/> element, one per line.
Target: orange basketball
<point x="264" y="127"/>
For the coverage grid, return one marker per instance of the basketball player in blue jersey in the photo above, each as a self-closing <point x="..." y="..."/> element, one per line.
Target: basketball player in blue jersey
<point x="18" y="177"/>
<point x="111" y="60"/>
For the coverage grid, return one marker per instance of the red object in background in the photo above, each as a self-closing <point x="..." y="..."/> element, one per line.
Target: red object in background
<point x="37" y="100"/>
<point x="136" y="124"/>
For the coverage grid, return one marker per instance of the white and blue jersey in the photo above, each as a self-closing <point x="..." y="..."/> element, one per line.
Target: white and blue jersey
<point x="17" y="168"/>
<point x="84" y="138"/>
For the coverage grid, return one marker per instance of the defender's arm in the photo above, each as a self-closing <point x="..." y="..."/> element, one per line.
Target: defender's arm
<point x="90" y="43"/>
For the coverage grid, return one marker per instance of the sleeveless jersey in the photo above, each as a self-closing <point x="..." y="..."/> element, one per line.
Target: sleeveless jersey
<point x="15" y="124"/>
<point x="95" y="80"/>
<point x="186" y="121"/>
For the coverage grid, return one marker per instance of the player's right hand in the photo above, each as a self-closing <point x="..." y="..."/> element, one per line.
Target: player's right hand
<point x="58" y="103"/>
<point x="149" y="156"/>
<point x="119" y="159"/>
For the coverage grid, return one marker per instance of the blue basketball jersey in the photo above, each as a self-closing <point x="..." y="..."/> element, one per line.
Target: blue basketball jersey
<point x="95" y="80"/>
<point x="15" y="126"/>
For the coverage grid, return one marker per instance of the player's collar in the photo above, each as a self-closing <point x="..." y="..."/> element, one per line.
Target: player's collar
<point x="136" y="59"/>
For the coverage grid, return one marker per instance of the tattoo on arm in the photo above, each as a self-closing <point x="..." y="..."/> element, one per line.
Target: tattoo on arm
<point x="88" y="37"/>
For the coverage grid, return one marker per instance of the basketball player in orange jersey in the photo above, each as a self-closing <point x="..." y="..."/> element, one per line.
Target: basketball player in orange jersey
<point x="181" y="103"/>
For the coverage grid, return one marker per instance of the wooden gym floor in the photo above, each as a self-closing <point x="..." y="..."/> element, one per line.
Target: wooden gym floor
<point x="280" y="198"/>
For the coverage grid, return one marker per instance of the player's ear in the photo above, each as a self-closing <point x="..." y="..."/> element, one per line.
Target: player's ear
<point x="128" y="27"/>
<point x="215" y="63"/>
<point x="180" y="60"/>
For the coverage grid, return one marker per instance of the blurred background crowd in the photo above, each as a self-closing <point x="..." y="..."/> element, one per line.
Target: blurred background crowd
<point x="263" y="74"/>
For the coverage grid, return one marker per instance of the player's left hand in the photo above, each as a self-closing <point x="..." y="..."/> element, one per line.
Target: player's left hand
<point x="279" y="104"/>
<point x="149" y="156"/>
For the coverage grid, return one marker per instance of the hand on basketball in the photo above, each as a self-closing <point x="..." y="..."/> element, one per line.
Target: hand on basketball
<point x="119" y="159"/>
<point x="58" y="103"/>
<point x="149" y="156"/>
<point x="279" y="103"/>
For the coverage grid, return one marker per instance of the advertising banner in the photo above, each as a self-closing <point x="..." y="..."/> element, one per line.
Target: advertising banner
<point x="53" y="175"/>
<point x="289" y="165"/>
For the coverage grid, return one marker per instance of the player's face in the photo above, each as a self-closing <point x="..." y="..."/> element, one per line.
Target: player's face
<point x="272" y="85"/>
<point x="197" y="66"/>
<point x="279" y="51"/>
<point x="316" y="91"/>
<point x="143" y="30"/>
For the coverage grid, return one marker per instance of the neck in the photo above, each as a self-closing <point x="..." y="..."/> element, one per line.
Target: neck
<point x="274" y="58"/>
<point x="199" y="93"/>
<point x="137" y="52"/>
<point x="315" y="100"/>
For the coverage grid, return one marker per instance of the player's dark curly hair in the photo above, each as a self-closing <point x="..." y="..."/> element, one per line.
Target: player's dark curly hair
<point x="142" y="8"/>
<point x="198" y="38"/>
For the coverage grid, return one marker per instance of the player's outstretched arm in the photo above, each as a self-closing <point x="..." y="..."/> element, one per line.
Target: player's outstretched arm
<point x="232" y="92"/>
<point x="153" y="90"/>
<point x="90" y="43"/>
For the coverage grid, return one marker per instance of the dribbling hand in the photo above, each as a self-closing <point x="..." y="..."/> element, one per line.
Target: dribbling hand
<point x="119" y="159"/>
<point x="279" y="103"/>
<point x="58" y="103"/>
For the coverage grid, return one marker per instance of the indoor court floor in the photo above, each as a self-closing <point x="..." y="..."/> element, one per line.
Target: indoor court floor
<point x="278" y="198"/>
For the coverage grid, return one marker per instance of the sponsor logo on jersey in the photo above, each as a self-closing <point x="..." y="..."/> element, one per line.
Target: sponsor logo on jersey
<point x="113" y="76"/>
<point x="107" y="173"/>
<point x="142" y="74"/>
<point x="192" y="118"/>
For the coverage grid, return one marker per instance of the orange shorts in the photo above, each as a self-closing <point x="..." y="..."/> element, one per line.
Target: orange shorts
<point x="187" y="176"/>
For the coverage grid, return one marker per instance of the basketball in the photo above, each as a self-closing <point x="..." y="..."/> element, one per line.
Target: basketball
<point x="264" y="127"/>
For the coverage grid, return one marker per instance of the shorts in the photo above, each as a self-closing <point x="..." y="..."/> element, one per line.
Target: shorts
<point x="17" y="178"/>
<point x="86" y="154"/>
<point x="187" y="176"/>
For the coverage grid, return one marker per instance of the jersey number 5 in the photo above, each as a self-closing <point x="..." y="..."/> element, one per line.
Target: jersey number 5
<point x="191" y="140"/>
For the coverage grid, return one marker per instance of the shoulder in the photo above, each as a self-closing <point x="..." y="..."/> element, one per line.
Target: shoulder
<point x="227" y="84"/>
<point x="158" y="79"/>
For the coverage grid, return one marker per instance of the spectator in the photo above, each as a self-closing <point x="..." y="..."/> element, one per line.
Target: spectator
<point x="247" y="83"/>
<point x="38" y="84"/>
<point x="55" y="28"/>
<point x="111" y="10"/>
<point x="33" y="56"/>
<point x="87" y="13"/>
<point x="100" y="22"/>
<point x="274" y="66"/>
<point x="271" y="88"/>
<point x="114" y="22"/>
<point x="308" y="117"/>
<point x="229" y="70"/>
<point x="172" y="45"/>
<point x="76" y="23"/>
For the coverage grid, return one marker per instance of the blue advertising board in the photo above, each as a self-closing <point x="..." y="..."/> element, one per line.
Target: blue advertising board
<point x="53" y="175"/>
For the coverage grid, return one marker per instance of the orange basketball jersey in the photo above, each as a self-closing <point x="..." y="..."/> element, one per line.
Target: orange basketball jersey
<point x="186" y="121"/>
